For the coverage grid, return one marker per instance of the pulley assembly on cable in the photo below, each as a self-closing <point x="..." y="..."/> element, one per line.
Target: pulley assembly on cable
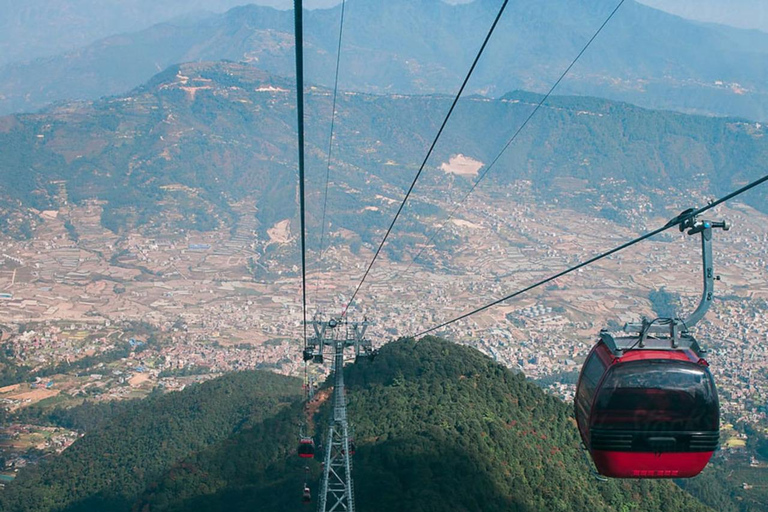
<point x="646" y="403"/>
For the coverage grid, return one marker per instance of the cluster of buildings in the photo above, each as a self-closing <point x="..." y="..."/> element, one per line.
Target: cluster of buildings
<point x="210" y="311"/>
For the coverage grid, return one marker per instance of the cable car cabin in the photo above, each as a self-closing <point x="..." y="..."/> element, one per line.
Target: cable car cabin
<point x="649" y="412"/>
<point x="306" y="496"/>
<point x="306" y="448"/>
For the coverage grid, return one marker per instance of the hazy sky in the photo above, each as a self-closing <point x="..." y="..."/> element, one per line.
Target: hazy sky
<point x="738" y="13"/>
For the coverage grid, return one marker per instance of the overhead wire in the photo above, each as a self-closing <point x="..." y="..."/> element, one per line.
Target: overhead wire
<point x="426" y="158"/>
<point x="672" y="223"/>
<point x="330" y="144"/>
<point x="299" y="35"/>
<point x="512" y="139"/>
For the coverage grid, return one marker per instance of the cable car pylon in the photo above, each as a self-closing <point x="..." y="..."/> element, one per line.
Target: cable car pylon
<point x="336" y="487"/>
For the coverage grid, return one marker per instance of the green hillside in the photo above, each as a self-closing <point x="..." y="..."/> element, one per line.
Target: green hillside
<point x="109" y="467"/>
<point x="181" y="151"/>
<point x="439" y="427"/>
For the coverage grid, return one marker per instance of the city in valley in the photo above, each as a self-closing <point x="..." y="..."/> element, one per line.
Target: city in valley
<point x="89" y="314"/>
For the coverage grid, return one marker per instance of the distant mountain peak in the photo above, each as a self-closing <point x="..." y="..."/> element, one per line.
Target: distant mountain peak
<point x="643" y="56"/>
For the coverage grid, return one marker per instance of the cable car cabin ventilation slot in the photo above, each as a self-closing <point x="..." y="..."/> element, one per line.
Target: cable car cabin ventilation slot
<point x="611" y="441"/>
<point x="704" y="442"/>
<point x="653" y="442"/>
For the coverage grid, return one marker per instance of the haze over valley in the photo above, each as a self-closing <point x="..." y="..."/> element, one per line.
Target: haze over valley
<point x="150" y="257"/>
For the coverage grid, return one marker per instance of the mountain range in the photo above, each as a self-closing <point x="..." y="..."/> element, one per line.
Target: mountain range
<point x="644" y="56"/>
<point x="198" y="139"/>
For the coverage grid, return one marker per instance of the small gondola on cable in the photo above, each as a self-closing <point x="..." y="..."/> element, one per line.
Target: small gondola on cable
<point x="646" y="404"/>
<point x="352" y="447"/>
<point x="306" y="495"/>
<point x="306" y="449"/>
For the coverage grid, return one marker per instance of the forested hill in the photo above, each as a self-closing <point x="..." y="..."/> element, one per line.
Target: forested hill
<point x="184" y="149"/>
<point x="439" y="427"/>
<point x="109" y="467"/>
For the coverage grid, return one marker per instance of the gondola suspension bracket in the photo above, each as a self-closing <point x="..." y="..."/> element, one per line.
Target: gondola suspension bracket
<point x="677" y="328"/>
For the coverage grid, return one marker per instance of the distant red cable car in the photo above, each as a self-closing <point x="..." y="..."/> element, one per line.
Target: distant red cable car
<point x="306" y="448"/>
<point x="649" y="412"/>
<point x="352" y="447"/>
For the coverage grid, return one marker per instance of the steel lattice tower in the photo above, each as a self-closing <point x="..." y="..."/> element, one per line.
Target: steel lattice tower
<point x="336" y="492"/>
<point x="336" y="488"/>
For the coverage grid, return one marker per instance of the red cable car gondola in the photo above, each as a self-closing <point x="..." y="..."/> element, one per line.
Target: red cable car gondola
<point x="306" y="448"/>
<point x="648" y="412"/>
<point x="352" y="447"/>
<point x="646" y="405"/>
